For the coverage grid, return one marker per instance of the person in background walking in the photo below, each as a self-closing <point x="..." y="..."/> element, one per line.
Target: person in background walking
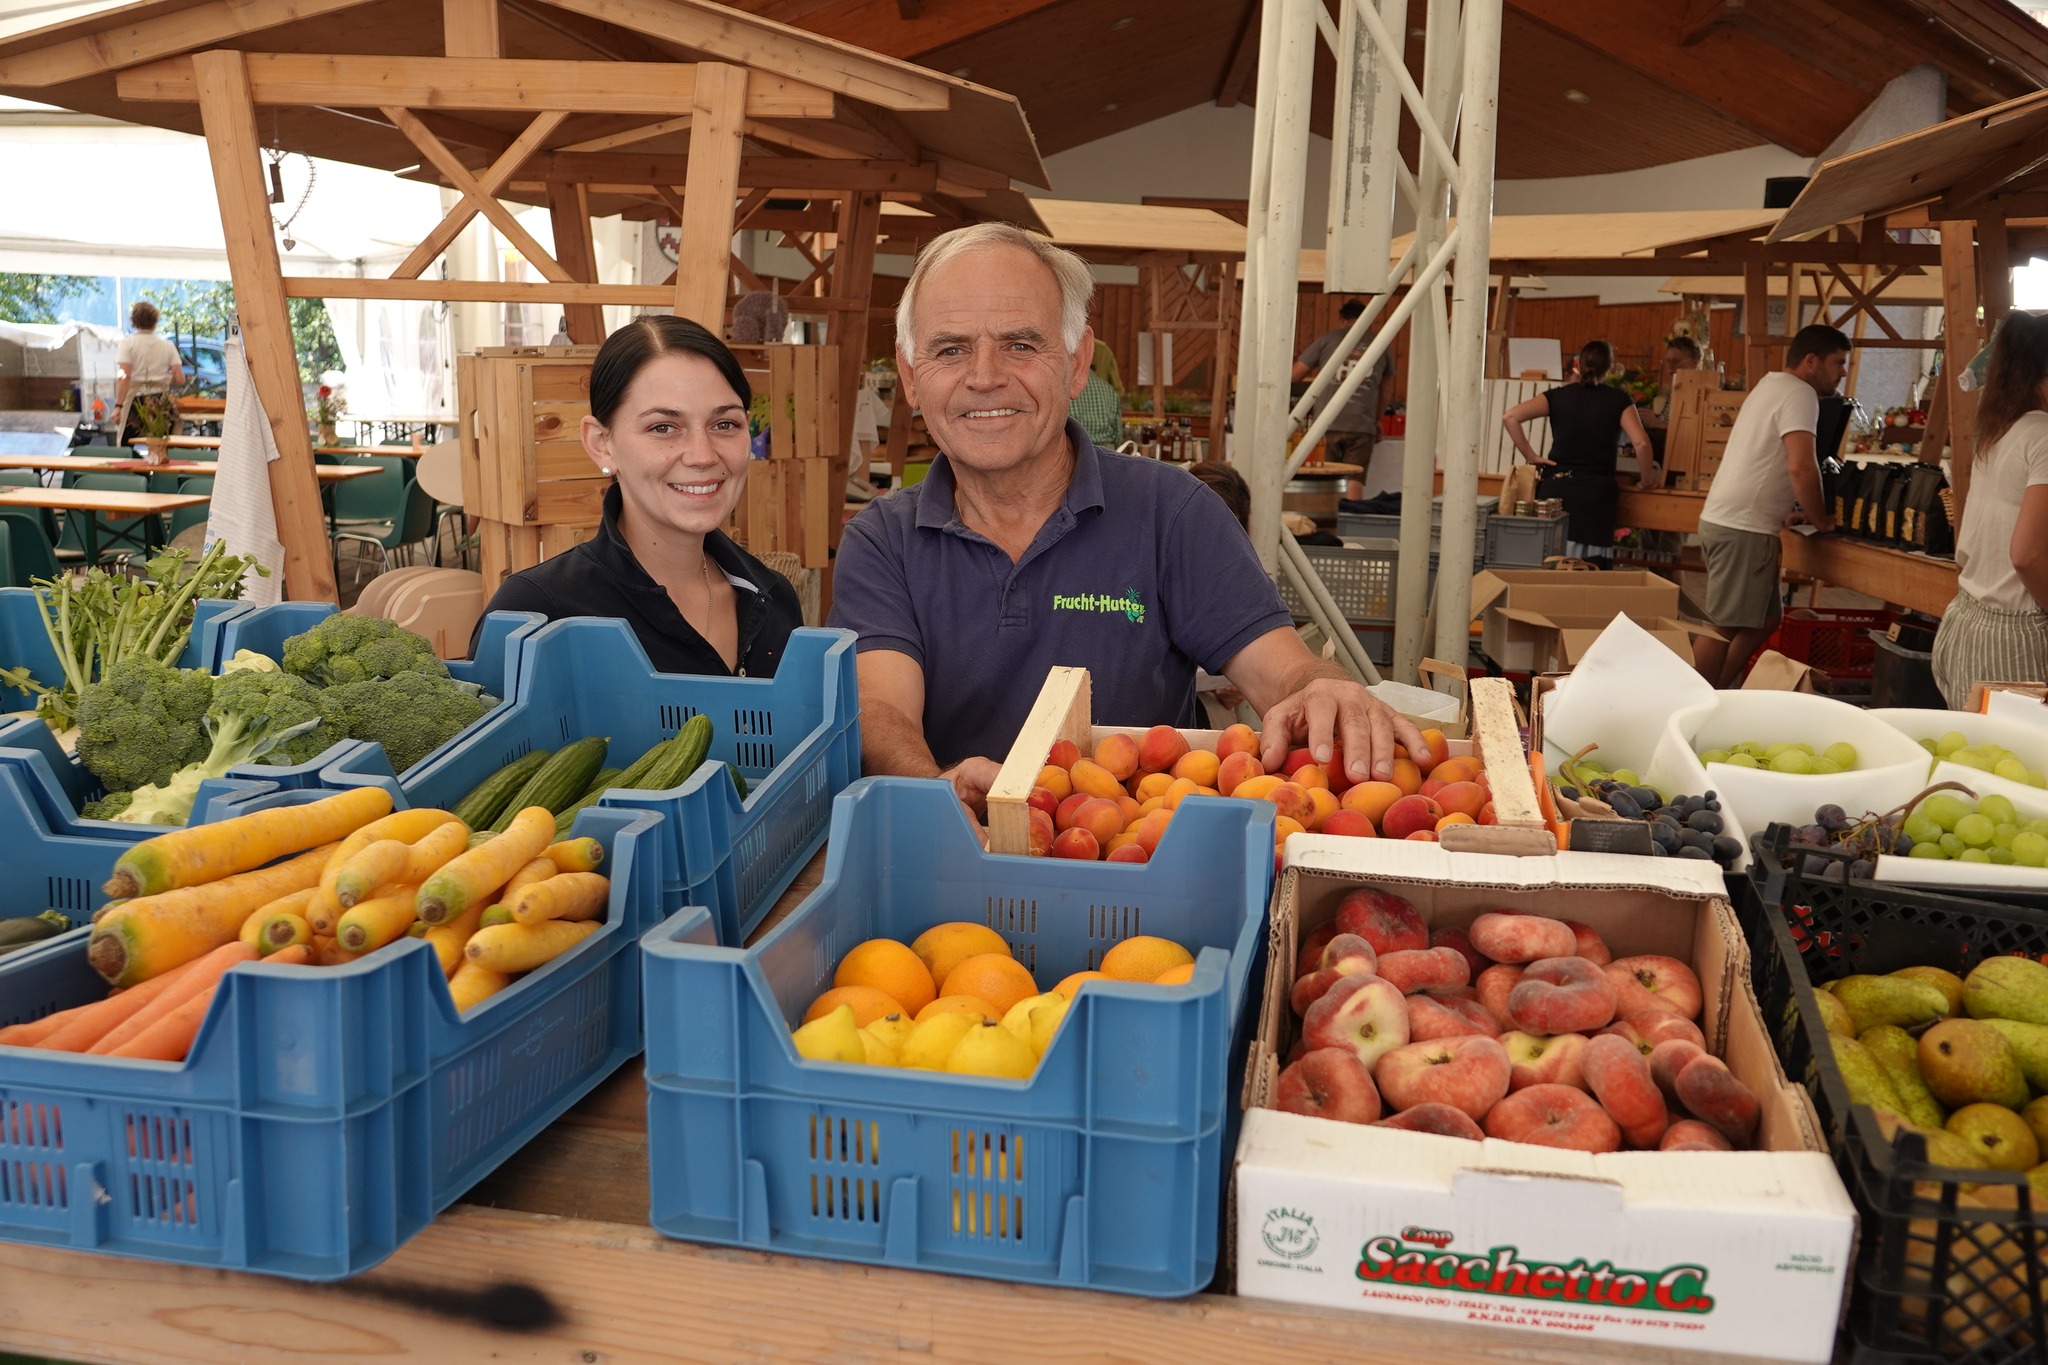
<point x="150" y="368"/>
<point x="1996" y="630"/>
<point x="1356" y="430"/>
<point x="1587" y="419"/>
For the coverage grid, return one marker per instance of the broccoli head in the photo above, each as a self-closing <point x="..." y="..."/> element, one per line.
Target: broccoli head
<point x="108" y="807"/>
<point x="282" y="701"/>
<point x="411" y="715"/>
<point x="142" y="721"/>
<point x="351" y="649"/>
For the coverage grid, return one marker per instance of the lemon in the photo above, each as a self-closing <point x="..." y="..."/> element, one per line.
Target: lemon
<point x="992" y="1050"/>
<point x="1046" y="1021"/>
<point x="892" y="1029"/>
<point x="928" y="1044"/>
<point x="880" y="1051"/>
<point x="1018" y="1020"/>
<point x="834" y="1038"/>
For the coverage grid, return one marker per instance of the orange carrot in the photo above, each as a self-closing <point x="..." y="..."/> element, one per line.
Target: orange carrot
<point x="89" y="1023"/>
<point x="35" y="1030"/>
<point x="170" y="1038"/>
<point x="204" y="974"/>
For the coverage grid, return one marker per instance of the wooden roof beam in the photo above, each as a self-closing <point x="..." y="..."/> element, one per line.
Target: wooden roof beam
<point x="1968" y="194"/>
<point x="519" y="86"/>
<point x="143" y="40"/>
<point x="627" y="137"/>
<point x="600" y="40"/>
<point x="451" y="226"/>
<point x="1725" y="70"/>
<point x="756" y="172"/>
<point x="471" y="28"/>
<point x="733" y="36"/>
<point x="476" y="194"/>
<point x="1704" y="16"/>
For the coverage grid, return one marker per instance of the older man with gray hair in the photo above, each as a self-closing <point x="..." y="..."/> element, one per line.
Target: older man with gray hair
<point x="1027" y="547"/>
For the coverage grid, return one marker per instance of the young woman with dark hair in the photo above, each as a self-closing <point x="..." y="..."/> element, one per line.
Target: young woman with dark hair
<point x="668" y="426"/>
<point x="1996" y="630"/>
<point x="1586" y="418"/>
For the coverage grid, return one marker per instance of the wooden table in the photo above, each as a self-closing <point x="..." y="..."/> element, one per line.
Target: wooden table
<point x="326" y="473"/>
<point x="95" y="501"/>
<point x="551" y="1259"/>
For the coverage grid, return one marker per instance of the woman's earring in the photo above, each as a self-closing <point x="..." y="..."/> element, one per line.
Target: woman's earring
<point x="605" y="470"/>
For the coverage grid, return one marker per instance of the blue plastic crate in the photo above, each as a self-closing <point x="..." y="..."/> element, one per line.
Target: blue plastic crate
<point x="56" y="786"/>
<point x="1104" y="1169"/>
<point x="325" y="1114"/>
<point x="25" y="642"/>
<point x="795" y="737"/>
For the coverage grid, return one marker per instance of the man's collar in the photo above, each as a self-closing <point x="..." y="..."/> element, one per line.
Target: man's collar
<point x="936" y="507"/>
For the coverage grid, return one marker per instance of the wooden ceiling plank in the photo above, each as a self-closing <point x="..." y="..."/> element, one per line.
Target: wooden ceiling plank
<point x="1703" y="16"/>
<point x="602" y="40"/>
<point x="627" y="138"/>
<point x="509" y="84"/>
<point x="732" y="36"/>
<point x="818" y="138"/>
<point x="471" y="28"/>
<point x="165" y="35"/>
<point x="1994" y="175"/>
<point x="822" y="173"/>
<point x="1243" y="63"/>
<point x="459" y="175"/>
<point x="885" y="127"/>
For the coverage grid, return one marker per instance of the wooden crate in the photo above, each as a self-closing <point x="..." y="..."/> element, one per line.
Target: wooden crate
<point x="525" y="475"/>
<point x="1702" y="415"/>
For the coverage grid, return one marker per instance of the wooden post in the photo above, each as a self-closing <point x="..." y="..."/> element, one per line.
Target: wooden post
<point x="1224" y="274"/>
<point x="470" y="29"/>
<point x="1756" y="323"/>
<point x="1158" y="345"/>
<point x="569" y="211"/>
<point x="718" y="115"/>
<point x="1963" y="338"/>
<point x="853" y="277"/>
<point x="229" y="118"/>
<point x="1994" y="271"/>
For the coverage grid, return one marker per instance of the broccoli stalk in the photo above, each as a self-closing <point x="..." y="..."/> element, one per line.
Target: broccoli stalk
<point x="243" y="730"/>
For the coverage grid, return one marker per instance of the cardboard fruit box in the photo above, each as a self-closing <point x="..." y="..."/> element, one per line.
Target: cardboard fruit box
<point x="1064" y="710"/>
<point x="1544" y="620"/>
<point x="1744" y="1252"/>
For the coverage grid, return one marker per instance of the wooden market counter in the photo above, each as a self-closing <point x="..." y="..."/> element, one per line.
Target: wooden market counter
<point x="1916" y="581"/>
<point x="551" y="1259"/>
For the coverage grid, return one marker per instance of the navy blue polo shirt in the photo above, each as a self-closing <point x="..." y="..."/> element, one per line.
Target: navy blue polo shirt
<point x="1140" y="575"/>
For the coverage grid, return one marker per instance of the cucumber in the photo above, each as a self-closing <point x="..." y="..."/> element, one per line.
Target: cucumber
<point x="681" y="755"/>
<point x="558" y="782"/>
<point x="739" y="782"/>
<point x="486" y="801"/>
<point x="601" y="784"/>
<point x="638" y="769"/>
<point x="30" y="929"/>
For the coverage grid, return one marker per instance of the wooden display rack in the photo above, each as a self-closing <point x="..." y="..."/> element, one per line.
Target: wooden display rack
<point x="1702" y="416"/>
<point x="525" y="475"/>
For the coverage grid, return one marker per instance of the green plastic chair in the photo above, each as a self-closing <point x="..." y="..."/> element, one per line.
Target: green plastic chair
<point x="410" y="521"/>
<point x="183" y="518"/>
<point x="30" y="555"/>
<point x="19" y="478"/>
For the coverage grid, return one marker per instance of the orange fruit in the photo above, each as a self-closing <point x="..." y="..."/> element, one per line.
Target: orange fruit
<point x="960" y="1004"/>
<point x="1143" y="958"/>
<point x="945" y="946"/>
<point x="1071" y="986"/>
<point x="889" y="967"/>
<point x="1326" y="806"/>
<point x="1176" y="976"/>
<point x="1151" y="785"/>
<point x="868" y="1004"/>
<point x="995" y="977"/>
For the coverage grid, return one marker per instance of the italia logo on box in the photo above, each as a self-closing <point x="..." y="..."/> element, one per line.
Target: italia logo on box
<point x="1503" y="1273"/>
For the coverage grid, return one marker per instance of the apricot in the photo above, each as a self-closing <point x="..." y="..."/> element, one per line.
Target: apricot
<point x="1092" y="779"/>
<point x="1457" y="770"/>
<point x="1146" y="807"/>
<point x="1117" y="841"/>
<point x="1309" y="775"/>
<point x="1325" y="806"/>
<point x="1350" y="823"/>
<point x="1065" y="753"/>
<point x="1056" y="781"/>
<point x="1371" y="799"/>
<point x="1297" y="759"/>
<point x="1063" y="814"/>
<point x="1127" y="853"/>
<point x="1199" y="766"/>
<point x="1102" y="819"/>
<point x="1462" y="798"/>
<point x="1256" y="788"/>
<point x="1128" y="810"/>
<point x="1161" y="748"/>
<point x="1411" y="815"/>
<point x="1454" y="818"/>
<point x="1237" y="768"/>
<point x="1042" y="833"/>
<point x="1285" y="826"/>
<point x="1237" y="739"/>
<point x="1151" y="785"/>
<point x="1078" y="844"/>
<point x="1042" y="798"/>
<point x="1118" y="754"/>
<point x="1180" y="791"/>
<point x="1439" y="747"/>
<point x="1151" y="828"/>
<point x="1406" y="776"/>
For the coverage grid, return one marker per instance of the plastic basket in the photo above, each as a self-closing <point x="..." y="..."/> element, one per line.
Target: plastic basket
<point x="56" y="786"/>
<point x="794" y="737"/>
<point x="1834" y="640"/>
<point x="25" y="642"/>
<point x="1523" y="542"/>
<point x="325" y="1115"/>
<point x="1104" y="1169"/>
<point x="1359" y="576"/>
<point x="1935" y="1278"/>
<point x="1383" y="526"/>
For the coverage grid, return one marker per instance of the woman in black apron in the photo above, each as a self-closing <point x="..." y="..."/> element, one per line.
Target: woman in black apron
<point x="1587" y="418"/>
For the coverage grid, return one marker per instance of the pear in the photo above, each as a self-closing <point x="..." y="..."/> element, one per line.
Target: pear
<point x="2007" y="988"/>
<point x="1943" y="1147"/>
<point x="989" y="1049"/>
<point x="1899" y="1055"/>
<point x="2030" y="1045"/>
<point x="1867" y="1080"/>
<point x="1948" y="983"/>
<point x="1834" y="1015"/>
<point x="1876" y="1000"/>
<point x="1998" y="1135"/>
<point x="831" y="1038"/>
<point x="2038" y="1178"/>
<point x="2036" y="1117"/>
<point x="1966" y="1061"/>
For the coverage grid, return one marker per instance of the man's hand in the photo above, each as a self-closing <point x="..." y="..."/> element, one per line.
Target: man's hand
<point x="1331" y="711"/>
<point x="971" y="779"/>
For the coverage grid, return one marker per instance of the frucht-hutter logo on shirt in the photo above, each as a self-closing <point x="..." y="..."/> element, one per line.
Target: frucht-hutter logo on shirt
<point x="1126" y="604"/>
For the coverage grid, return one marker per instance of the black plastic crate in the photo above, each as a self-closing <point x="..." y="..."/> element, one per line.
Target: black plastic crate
<point x="1935" y="1278"/>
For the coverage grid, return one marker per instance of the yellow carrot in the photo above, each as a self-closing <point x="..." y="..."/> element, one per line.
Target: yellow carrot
<point x="473" y="876"/>
<point x="371" y="924"/>
<point x="472" y="985"/>
<point x="252" y="930"/>
<point x="284" y="929"/>
<point x="535" y="872"/>
<point x="404" y="826"/>
<point x="575" y="855"/>
<point x="328" y="953"/>
<point x="522" y="947"/>
<point x="500" y="913"/>
<point x="369" y="869"/>
<point x="566" y="896"/>
<point x="435" y="850"/>
<point x="294" y="904"/>
<point x="152" y="934"/>
<point x="207" y="853"/>
<point x="449" y="939"/>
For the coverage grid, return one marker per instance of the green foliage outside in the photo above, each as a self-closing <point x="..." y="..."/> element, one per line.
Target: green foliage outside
<point x="37" y="298"/>
<point x="203" y="307"/>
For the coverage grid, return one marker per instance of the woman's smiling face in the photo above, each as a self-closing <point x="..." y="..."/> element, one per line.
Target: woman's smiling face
<point x="678" y="445"/>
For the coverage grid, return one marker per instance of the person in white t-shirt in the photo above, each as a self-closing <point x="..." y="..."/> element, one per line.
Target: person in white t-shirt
<point x="1767" y="468"/>
<point x="150" y="368"/>
<point x="1996" y="630"/>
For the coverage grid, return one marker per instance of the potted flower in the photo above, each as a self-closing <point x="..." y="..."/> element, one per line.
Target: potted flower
<point x="327" y="409"/>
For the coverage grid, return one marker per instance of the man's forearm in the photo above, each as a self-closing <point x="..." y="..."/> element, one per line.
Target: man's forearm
<point x="1308" y="671"/>
<point x="892" y="744"/>
<point x="1806" y="487"/>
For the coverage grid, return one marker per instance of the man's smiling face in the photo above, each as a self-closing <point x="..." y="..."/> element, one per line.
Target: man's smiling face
<point x="988" y="368"/>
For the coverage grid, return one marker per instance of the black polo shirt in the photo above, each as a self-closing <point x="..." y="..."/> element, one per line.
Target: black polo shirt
<point x="601" y="577"/>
